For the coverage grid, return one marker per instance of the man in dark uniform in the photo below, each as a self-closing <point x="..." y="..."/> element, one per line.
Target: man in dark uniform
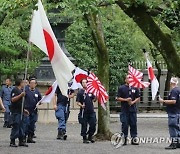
<point x="17" y="119"/>
<point x="87" y="115"/>
<point x="61" y="107"/>
<point x="32" y="97"/>
<point x="173" y="111"/>
<point x="6" y="98"/>
<point x="128" y="96"/>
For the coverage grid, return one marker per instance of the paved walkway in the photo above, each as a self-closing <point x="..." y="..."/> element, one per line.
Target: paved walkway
<point x="145" y="115"/>
<point x="47" y="143"/>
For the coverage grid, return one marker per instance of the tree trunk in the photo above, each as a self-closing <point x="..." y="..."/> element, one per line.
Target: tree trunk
<point x="167" y="84"/>
<point x="154" y="55"/>
<point x="162" y="41"/>
<point x="94" y="23"/>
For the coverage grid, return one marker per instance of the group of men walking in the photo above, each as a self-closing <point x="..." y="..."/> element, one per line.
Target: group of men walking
<point x="22" y="115"/>
<point x="87" y="115"/>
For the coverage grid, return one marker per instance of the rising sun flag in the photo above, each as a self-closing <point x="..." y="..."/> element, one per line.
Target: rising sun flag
<point x="135" y="78"/>
<point x="95" y="87"/>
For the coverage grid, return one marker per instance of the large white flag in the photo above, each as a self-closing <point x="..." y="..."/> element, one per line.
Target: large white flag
<point x="42" y="36"/>
<point x="152" y="77"/>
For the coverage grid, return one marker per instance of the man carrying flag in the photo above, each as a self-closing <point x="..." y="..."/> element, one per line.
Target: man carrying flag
<point x="173" y="111"/>
<point x="128" y="96"/>
<point x="87" y="116"/>
<point x="61" y="107"/>
<point x="17" y="123"/>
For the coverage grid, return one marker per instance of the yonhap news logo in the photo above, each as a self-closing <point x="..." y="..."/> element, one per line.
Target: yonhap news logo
<point x="118" y="140"/>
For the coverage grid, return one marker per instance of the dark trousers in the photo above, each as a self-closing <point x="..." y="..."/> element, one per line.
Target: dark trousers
<point x="129" y="119"/>
<point x="29" y="123"/>
<point x="17" y="126"/>
<point x="25" y="124"/>
<point x="174" y="126"/>
<point x="85" y="120"/>
<point x="32" y="119"/>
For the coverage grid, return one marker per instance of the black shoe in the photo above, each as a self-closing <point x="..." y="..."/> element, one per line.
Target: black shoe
<point x="65" y="137"/>
<point x="171" y="146"/>
<point x="9" y="126"/>
<point x="5" y="125"/>
<point x="22" y="144"/>
<point x="125" y="141"/>
<point x="90" y="138"/>
<point x="60" y="135"/>
<point x="13" y="144"/>
<point x="178" y="145"/>
<point x="134" y="141"/>
<point x="30" y="139"/>
<point x="85" y="140"/>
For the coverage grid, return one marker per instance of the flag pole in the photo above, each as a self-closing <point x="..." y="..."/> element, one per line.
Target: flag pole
<point x="25" y="77"/>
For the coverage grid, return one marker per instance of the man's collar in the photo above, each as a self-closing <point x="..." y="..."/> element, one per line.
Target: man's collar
<point x="32" y="89"/>
<point x="8" y="86"/>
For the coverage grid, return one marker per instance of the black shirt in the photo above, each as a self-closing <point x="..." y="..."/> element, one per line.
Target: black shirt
<point x="32" y="97"/>
<point x="16" y="106"/>
<point x="174" y="95"/>
<point x="125" y="91"/>
<point x="87" y="99"/>
<point x="61" y="99"/>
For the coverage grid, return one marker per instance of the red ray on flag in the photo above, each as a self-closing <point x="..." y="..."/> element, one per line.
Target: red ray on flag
<point x="95" y="87"/>
<point x="135" y="78"/>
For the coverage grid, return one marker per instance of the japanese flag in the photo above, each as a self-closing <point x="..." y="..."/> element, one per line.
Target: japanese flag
<point x="153" y="79"/>
<point x="42" y="36"/>
<point x="78" y="76"/>
<point x="49" y="94"/>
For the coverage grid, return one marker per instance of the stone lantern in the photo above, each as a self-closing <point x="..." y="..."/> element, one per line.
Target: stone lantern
<point x="44" y="72"/>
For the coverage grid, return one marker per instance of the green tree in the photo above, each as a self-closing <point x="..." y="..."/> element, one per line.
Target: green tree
<point x="142" y="14"/>
<point x="14" y="33"/>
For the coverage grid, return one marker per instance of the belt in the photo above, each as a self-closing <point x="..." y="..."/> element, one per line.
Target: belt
<point x="61" y="103"/>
